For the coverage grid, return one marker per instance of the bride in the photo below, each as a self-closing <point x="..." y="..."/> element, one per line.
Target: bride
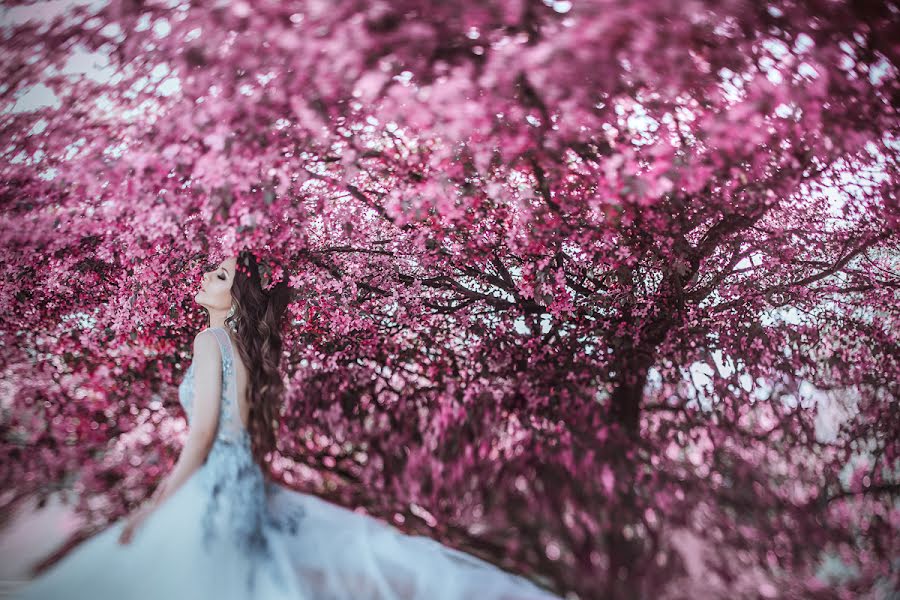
<point x="216" y="527"/>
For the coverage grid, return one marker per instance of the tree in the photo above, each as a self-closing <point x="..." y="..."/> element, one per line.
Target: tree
<point x="576" y="284"/>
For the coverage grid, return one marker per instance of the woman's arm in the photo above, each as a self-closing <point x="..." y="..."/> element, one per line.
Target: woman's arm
<point x="205" y="418"/>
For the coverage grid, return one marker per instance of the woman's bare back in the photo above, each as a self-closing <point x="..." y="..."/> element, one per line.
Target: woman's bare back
<point x="242" y="377"/>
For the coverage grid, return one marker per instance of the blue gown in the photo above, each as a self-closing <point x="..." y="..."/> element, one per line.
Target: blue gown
<point x="229" y="533"/>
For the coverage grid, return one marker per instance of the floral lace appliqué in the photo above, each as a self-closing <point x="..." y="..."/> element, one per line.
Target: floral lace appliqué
<point x="237" y="514"/>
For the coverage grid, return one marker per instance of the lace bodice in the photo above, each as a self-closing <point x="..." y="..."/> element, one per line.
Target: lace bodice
<point x="230" y="429"/>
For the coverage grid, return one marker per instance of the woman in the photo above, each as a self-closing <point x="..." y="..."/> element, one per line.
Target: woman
<point x="218" y="528"/>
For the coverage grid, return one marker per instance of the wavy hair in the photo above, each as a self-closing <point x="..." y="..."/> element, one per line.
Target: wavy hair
<point x="257" y="322"/>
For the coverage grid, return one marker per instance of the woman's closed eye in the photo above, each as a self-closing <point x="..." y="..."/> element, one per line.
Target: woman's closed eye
<point x="222" y="276"/>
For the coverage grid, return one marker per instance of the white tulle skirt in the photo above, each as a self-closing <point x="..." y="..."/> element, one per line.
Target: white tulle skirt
<point x="319" y="551"/>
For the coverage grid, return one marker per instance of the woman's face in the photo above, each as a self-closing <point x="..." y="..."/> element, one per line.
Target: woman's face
<point x="215" y="286"/>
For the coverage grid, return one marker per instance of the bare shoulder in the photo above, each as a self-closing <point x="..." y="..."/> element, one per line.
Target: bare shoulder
<point x="205" y="345"/>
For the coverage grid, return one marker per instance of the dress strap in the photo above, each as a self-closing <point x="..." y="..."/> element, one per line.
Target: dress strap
<point x="230" y="426"/>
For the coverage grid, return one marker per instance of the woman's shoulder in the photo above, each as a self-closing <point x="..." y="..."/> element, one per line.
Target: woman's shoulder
<point x="209" y="332"/>
<point x="205" y="343"/>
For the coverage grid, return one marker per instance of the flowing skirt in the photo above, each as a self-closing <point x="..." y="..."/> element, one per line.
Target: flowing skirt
<point x="309" y="549"/>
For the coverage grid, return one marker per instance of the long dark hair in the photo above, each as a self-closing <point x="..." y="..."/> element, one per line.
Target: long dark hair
<point x="257" y="320"/>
